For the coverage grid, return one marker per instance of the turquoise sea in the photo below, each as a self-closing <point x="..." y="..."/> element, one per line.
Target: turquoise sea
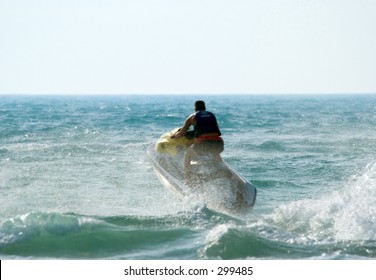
<point x="76" y="183"/>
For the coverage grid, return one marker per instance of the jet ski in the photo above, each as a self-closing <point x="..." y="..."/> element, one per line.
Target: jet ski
<point x="210" y="179"/>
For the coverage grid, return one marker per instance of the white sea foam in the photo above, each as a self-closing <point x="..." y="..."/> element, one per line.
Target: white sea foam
<point x="348" y="213"/>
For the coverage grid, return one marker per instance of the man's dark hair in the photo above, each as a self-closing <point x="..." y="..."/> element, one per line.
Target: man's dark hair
<point x="200" y="105"/>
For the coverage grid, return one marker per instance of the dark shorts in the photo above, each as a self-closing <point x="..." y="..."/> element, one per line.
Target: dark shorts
<point x="209" y="146"/>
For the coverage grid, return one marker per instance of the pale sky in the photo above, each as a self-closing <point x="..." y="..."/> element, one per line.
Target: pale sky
<point x="191" y="46"/>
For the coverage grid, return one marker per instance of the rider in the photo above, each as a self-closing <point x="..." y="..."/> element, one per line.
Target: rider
<point x="206" y="134"/>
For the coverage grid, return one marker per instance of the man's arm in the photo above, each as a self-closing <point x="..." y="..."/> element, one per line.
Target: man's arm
<point x="188" y="122"/>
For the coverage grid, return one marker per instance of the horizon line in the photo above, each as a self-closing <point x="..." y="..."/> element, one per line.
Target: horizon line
<point x="184" y="94"/>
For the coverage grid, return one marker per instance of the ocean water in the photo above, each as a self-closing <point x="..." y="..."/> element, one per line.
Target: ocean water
<point x="76" y="183"/>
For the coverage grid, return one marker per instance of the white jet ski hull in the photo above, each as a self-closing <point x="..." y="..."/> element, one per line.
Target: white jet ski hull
<point x="214" y="183"/>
